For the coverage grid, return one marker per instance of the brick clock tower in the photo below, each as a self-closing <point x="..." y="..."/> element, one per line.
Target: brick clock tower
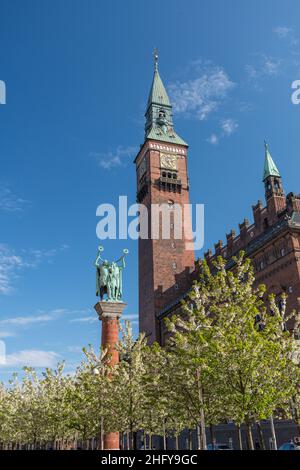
<point x="165" y="264"/>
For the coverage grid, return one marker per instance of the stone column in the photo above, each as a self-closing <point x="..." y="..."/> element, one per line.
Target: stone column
<point x="109" y="313"/>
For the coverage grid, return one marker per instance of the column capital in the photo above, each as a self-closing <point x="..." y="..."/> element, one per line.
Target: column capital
<point x="112" y="310"/>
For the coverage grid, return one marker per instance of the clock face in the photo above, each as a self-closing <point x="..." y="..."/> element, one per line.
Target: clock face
<point x="142" y="168"/>
<point x="168" y="162"/>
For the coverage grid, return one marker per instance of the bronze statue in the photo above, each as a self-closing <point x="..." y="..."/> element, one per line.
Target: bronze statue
<point x="109" y="277"/>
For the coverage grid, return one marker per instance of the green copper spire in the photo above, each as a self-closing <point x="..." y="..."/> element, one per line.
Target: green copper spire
<point x="159" y="118"/>
<point x="270" y="169"/>
<point x="158" y="94"/>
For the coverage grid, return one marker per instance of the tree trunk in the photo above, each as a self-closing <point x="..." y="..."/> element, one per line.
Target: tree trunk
<point x="164" y="436"/>
<point x="273" y="432"/>
<point x="198" y="431"/>
<point x="134" y="440"/>
<point x="131" y="440"/>
<point x="127" y="440"/>
<point x="203" y="445"/>
<point x="176" y="442"/>
<point x="239" y="433"/>
<point x="142" y="437"/>
<point x="249" y="435"/>
<point x="202" y="424"/>
<point x="190" y="440"/>
<point x="260" y="436"/>
<point x="101" y="433"/>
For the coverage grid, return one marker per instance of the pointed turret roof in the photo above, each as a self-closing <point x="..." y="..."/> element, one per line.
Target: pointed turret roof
<point x="159" y="118"/>
<point x="270" y="169"/>
<point x="158" y="94"/>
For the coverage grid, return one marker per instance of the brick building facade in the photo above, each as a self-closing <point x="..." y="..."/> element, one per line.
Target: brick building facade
<point x="166" y="267"/>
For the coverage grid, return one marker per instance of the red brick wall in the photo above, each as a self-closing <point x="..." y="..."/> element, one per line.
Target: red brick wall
<point x="281" y="273"/>
<point x="164" y="265"/>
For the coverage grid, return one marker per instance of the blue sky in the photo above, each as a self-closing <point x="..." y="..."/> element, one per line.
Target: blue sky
<point x="77" y="75"/>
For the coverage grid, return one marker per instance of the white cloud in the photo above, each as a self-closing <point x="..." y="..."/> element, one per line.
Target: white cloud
<point x="6" y="334"/>
<point x="10" y="202"/>
<point x="11" y="263"/>
<point x="130" y="316"/>
<point x="229" y="126"/>
<point x="84" y="319"/>
<point x="32" y="258"/>
<point x="271" y="65"/>
<point x="92" y="319"/>
<point x="201" y="96"/>
<point x="251" y="71"/>
<point x="31" y="358"/>
<point x="40" y="317"/>
<point x="74" y="349"/>
<point x="116" y="158"/>
<point x="286" y="32"/>
<point x="23" y="321"/>
<point x="266" y="66"/>
<point x="282" y="31"/>
<point x="213" y="139"/>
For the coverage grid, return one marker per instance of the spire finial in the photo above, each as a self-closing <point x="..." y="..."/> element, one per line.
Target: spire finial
<point x="266" y="145"/>
<point x="155" y="55"/>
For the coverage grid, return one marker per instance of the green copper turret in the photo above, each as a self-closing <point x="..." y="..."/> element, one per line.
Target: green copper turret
<point x="159" y="117"/>
<point x="270" y="169"/>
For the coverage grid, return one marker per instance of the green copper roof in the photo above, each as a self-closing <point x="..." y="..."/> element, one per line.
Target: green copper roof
<point x="270" y="169"/>
<point x="170" y="137"/>
<point x="159" y="118"/>
<point x="158" y="94"/>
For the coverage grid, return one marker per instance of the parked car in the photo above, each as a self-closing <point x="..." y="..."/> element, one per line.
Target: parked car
<point x="289" y="446"/>
<point x="218" y="446"/>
